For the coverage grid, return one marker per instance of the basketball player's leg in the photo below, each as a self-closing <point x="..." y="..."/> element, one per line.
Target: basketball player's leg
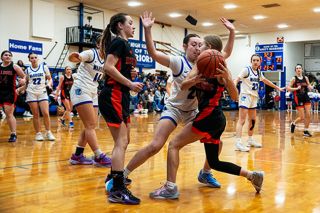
<point x="121" y="141"/>
<point x="44" y="107"/>
<point x="212" y="153"/>
<point x="11" y="120"/>
<point x="300" y="117"/>
<point x="252" y="115"/>
<point x="243" y="112"/>
<point x="34" y="106"/>
<point x="307" y="108"/>
<point x="170" y="190"/>
<point x="164" y="128"/>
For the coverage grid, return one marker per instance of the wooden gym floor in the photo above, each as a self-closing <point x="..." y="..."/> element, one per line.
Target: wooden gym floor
<point x="36" y="176"/>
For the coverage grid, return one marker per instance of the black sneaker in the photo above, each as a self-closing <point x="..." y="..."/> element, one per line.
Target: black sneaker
<point x="123" y="196"/>
<point x="127" y="181"/>
<point x="293" y="126"/>
<point x="13" y="138"/>
<point x="306" y="134"/>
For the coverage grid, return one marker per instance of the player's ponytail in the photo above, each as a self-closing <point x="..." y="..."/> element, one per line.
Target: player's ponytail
<point x="112" y="28"/>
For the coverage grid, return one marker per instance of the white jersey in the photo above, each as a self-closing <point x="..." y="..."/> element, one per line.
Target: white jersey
<point x="89" y="72"/>
<point x="184" y="100"/>
<point x="311" y="94"/>
<point x="37" y="78"/>
<point x="250" y="81"/>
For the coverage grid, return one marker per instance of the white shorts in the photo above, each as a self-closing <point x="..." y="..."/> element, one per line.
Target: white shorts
<point x="79" y="96"/>
<point x="35" y="97"/>
<point x="248" y="101"/>
<point x="178" y="116"/>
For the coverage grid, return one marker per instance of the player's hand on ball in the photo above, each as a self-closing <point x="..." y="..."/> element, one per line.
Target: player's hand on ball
<point x="224" y="72"/>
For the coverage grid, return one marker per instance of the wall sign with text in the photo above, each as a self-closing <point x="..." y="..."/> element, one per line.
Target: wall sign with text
<point x="25" y="46"/>
<point x="140" y="50"/>
<point x="271" y="55"/>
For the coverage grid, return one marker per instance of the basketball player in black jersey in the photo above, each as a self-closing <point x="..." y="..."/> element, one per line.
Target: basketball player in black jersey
<point x="8" y="93"/>
<point x="114" y="98"/>
<point x="300" y="86"/>
<point x="207" y="127"/>
<point x="65" y="84"/>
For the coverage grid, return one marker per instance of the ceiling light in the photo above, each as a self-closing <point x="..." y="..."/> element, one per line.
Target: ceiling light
<point x="230" y="6"/>
<point x="259" y="17"/>
<point x="134" y="3"/>
<point x="316" y="10"/>
<point x="175" y="15"/>
<point x="207" y="24"/>
<point x="281" y="26"/>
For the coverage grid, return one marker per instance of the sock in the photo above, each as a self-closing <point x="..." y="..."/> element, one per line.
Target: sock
<point x="305" y="129"/>
<point x="249" y="175"/>
<point x="97" y="153"/>
<point x="250" y="138"/>
<point x="126" y="172"/>
<point x="294" y="123"/>
<point x="206" y="171"/>
<point x="118" y="180"/>
<point x="13" y="133"/>
<point x="170" y="185"/>
<point x="238" y="140"/>
<point x="79" y="150"/>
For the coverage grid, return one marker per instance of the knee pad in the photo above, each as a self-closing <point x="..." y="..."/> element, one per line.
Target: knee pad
<point x="253" y="122"/>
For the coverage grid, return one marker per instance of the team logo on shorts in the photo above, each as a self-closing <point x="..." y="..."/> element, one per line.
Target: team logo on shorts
<point x="243" y="98"/>
<point x="78" y="91"/>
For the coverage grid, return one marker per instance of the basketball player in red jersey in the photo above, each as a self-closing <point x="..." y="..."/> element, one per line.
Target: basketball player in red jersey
<point x="300" y="86"/>
<point x="114" y="99"/>
<point x="65" y="84"/>
<point x="8" y="96"/>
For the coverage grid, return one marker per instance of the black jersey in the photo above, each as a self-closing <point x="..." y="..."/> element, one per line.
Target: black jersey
<point x="67" y="83"/>
<point x="8" y="77"/>
<point x="302" y="83"/>
<point x="210" y="97"/>
<point x="127" y="61"/>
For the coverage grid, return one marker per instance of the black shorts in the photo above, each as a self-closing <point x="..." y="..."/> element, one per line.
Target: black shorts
<point x="210" y="124"/>
<point x="7" y="98"/>
<point x="65" y="94"/>
<point x="114" y="106"/>
<point x="301" y="100"/>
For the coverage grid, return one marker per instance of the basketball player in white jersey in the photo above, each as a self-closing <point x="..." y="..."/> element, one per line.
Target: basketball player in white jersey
<point x="248" y="98"/>
<point x="181" y="106"/>
<point x="84" y="96"/>
<point x="37" y="96"/>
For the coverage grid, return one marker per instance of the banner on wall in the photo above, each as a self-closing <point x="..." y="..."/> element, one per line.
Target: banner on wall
<point x="140" y="50"/>
<point x="271" y="55"/>
<point x="25" y="46"/>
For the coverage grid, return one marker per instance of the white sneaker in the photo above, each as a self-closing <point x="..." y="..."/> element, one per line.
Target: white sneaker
<point x="253" y="143"/>
<point x="28" y="114"/>
<point x="39" y="137"/>
<point x="240" y="147"/>
<point x="25" y="114"/>
<point x="50" y="136"/>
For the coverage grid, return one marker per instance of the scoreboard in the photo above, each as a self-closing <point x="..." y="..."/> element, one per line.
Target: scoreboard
<point x="271" y="56"/>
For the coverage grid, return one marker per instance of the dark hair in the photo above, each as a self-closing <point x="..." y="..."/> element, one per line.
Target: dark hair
<point x="257" y="55"/>
<point x="214" y="42"/>
<point x="298" y="65"/>
<point x="6" y="51"/>
<point x="187" y="38"/>
<point x="32" y="53"/>
<point x="112" y="27"/>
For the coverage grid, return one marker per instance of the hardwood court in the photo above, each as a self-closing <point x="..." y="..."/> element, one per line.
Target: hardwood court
<point x="36" y="176"/>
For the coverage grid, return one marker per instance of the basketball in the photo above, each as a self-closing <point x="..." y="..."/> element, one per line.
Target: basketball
<point x="208" y="62"/>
